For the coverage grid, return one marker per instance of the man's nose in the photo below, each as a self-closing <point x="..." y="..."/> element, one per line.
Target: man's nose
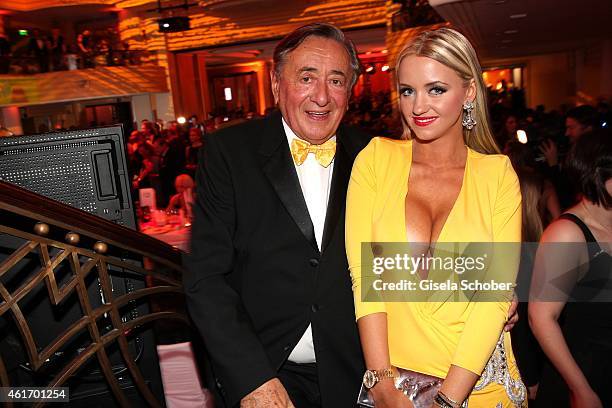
<point x="320" y="93"/>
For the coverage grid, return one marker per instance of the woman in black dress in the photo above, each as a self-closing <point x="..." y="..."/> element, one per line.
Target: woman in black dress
<point x="571" y="315"/>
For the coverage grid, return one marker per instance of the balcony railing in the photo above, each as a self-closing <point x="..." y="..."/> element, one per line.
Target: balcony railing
<point x="25" y="64"/>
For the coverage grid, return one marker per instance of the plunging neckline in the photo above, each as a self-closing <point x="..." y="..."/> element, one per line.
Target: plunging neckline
<point x="452" y="210"/>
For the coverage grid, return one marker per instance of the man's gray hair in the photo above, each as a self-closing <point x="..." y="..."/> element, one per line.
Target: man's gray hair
<point x="323" y="30"/>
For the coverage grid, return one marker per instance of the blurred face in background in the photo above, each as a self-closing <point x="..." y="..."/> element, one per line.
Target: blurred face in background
<point x="313" y="88"/>
<point x="575" y="129"/>
<point x="511" y="125"/>
<point x="183" y="183"/>
<point x="195" y="136"/>
<point x="432" y="97"/>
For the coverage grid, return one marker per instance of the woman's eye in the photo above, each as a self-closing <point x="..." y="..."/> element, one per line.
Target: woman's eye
<point x="437" y="90"/>
<point x="406" y="91"/>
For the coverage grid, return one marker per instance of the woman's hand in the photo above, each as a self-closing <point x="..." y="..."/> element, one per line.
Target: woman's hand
<point x="387" y="396"/>
<point x="585" y="398"/>
<point x="550" y="152"/>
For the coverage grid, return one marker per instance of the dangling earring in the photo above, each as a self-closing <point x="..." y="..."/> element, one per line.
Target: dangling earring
<point x="468" y="120"/>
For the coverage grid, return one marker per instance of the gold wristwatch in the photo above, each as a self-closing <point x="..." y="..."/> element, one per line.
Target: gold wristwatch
<point x="372" y="377"/>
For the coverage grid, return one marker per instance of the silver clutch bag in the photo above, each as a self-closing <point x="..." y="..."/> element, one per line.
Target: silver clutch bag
<point x="419" y="388"/>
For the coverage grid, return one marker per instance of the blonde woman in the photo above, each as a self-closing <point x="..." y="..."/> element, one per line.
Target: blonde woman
<point x="446" y="183"/>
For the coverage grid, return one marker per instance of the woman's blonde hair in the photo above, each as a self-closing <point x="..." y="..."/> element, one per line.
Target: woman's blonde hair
<point x="450" y="48"/>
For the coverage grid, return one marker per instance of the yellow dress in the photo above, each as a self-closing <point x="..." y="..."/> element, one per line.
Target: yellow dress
<point x="430" y="336"/>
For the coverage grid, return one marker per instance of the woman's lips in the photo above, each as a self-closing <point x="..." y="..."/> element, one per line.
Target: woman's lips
<point x="424" y="120"/>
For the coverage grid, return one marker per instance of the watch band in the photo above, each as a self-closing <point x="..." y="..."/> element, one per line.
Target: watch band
<point x="385" y="373"/>
<point x="372" y="377"/>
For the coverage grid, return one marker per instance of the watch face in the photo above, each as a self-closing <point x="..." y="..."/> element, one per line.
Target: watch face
<point x="369" y="379"/>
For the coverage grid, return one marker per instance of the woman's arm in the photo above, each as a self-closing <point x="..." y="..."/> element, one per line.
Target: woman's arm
<point x="489" y="310"/>
<point x="560" y="261"/>
<point x="371" y="315"/>
<point x="360" y="200"/>
<point x="374" y="342"/>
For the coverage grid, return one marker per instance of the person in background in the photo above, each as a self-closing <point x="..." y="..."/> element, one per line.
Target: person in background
<point x="185" y="195"/>
<point x="539" y="206"/>
<point x="571" y="308"/>
<point x="5" y="54"/>
<point x="192" y="151"/>
<point x="508" y="131"/>
<point x="149" y="130"/>
<point x="134" y="157"/>
<point x="171" y="152"/>
<point x="547" y="204"/>
<point x="85" y="48"/>
<point x="39" y="49"/>
<point x="57" y="49"/>
<point x="578" y="121"/>
<point x="147" y="170"/>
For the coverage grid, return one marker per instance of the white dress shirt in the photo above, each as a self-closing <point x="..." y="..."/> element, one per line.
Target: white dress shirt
<point x="315" y="181"/>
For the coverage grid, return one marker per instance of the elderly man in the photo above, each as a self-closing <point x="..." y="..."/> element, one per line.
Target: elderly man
<point x="268" y="284"/>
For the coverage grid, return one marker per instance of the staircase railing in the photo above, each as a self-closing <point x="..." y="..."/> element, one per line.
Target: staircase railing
<point x="51" y="234"/>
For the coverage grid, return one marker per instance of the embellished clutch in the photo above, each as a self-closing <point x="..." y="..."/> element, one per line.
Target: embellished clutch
<point x="419" y="388"/>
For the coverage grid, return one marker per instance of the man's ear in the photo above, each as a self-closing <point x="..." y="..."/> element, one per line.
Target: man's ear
<point x="275" y="83"/>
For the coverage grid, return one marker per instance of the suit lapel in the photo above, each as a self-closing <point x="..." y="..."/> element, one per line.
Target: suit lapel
<point x="337" y="194"/>
<point x="278" y="167"/>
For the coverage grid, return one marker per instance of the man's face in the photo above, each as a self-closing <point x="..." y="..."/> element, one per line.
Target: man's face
<point x="313" y="88"/>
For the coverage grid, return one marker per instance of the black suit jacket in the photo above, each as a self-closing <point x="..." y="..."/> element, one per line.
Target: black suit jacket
<point x="256" y="278"/>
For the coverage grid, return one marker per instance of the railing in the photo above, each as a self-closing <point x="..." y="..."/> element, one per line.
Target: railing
<point x="57" y="237"/>
<point x="26" y="64"/>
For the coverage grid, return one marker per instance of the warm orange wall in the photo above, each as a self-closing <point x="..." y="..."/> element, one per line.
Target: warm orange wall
<point x="573" y="77"/>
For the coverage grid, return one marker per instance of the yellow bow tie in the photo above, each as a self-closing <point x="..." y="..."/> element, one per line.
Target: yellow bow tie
<point x="324" y="153"/>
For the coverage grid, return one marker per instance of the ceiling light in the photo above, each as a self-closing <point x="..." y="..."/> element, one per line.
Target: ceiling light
<point x="519" y="15"/>
<point x="181" y="120"/>
<point x="385" y="68"/>
<point x="510" y="31"/>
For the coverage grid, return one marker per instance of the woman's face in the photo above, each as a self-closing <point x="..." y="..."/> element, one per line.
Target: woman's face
<point x="432" y="97"/>
<point x="511" y="125"/>
<point x="194" y="136"/>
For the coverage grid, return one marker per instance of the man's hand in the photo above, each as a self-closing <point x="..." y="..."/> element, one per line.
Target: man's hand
<point x="513" y="316"/>
<point x="269" y="394"/>
<point x="549" y="150"/>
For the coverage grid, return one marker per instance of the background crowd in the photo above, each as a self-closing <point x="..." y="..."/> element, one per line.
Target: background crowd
<point x="38" y="51"/>
<point x="159" y="152"/>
